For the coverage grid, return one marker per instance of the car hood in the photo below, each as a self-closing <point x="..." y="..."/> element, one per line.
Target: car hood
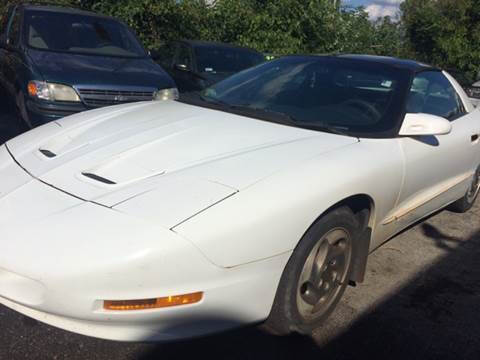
<point x="176" y="150"/>
<point x="93" y="70"/>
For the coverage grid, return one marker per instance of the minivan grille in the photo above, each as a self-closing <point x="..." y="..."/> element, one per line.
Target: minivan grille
<point x="100" y="97"/>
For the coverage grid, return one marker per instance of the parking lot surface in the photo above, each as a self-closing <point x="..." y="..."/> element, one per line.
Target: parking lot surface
<point x="420" y="300"/>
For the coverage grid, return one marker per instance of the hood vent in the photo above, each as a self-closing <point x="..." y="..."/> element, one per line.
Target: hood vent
<point x="47" y="153"/>
<point x="99" y="178"/>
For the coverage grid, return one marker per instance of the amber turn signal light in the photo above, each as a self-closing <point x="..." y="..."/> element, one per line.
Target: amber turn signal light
<point x="155" y="303"/>
<point x="32" y="89"/>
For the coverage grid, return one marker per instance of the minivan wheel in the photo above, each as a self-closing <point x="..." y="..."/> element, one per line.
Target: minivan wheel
<point x="316" y="275"/>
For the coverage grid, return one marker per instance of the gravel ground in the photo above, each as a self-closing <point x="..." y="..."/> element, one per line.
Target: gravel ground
<point x="420" y="300"/>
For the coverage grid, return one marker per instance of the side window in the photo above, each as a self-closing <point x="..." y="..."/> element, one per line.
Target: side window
<point x="14" y="29"/>
<point x="166" y="54"/>
<point x="184" y="56"/>
<point x="432" y="93"/>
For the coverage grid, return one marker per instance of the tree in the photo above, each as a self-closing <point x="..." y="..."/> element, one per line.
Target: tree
<point x="278" y="26"/>
<point x="445" y="32"/>
<point x="389" y="38"/>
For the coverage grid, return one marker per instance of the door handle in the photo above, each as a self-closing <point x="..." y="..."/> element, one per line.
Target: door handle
<point x="474" y="137"/>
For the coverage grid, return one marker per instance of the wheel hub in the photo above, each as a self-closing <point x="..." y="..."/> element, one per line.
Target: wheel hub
<point x="323" y="273"/>
<point x="475" y="187"/>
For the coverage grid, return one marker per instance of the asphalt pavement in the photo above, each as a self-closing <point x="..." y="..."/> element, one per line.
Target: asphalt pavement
<point x="420" y="300"/>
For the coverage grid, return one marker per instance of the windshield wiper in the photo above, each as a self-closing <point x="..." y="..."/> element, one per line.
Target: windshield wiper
<point x="332" y="129"/>
<point x="272" y="115"/>
<point x="198" y="96"/>
<point x="287" y="119"/>
<point x="269" y="115"/>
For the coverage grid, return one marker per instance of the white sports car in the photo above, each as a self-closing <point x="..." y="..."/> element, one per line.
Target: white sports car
<point x="258" y="199"/>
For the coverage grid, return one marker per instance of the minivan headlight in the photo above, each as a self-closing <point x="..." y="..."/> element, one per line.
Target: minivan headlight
<point x="166" y="94"/>
<point x="52" y="91"/>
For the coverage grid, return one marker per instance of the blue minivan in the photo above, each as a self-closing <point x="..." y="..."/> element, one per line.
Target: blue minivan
<point x="56" y="61"/>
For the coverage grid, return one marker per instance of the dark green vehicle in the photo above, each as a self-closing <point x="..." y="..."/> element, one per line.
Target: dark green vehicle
<point x="56" y="61"/>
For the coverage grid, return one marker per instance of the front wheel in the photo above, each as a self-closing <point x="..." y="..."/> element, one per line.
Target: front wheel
<point x="465" y="203"/>
<point x="316" y="275"/>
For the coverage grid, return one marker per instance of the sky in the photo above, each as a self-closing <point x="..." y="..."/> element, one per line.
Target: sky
<point x="377" y="8"/>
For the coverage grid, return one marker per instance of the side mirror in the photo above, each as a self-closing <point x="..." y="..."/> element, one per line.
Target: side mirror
<point x="424" y="124"/>
<point x="182" y="67"/>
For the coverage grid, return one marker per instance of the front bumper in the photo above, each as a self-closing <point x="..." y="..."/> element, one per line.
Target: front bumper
<point x="233" y="298"/>
<point x="42" y="112"/>
<point x="61" y="257"/>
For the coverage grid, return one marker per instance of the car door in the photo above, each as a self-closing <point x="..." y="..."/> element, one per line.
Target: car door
<point x="183" y="69"/>
<point x="166" y="55"/>
<point x="438" y="169"/>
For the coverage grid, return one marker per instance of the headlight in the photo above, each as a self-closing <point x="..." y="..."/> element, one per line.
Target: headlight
<point x="52" y="92"/>
<point x="166" y="94"/>
<point x="473" y="92"/>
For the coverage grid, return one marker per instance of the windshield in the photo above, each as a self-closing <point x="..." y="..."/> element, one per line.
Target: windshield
<point x="225" y="60"/>
<point x="76" y="33"/>
<point x="326" y="93"/>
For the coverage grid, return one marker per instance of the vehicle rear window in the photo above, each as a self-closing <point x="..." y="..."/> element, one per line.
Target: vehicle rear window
<point x="76" y="33"/>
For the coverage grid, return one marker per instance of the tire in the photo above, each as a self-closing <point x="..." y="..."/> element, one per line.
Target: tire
<point x="466" y="202"/>
<point x="306" y="295"/>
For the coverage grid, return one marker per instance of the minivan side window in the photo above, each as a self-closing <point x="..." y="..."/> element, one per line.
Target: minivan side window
<point x="432" y="93"/>
<point x="167" y="54"/>
<point x="14" y="29"/>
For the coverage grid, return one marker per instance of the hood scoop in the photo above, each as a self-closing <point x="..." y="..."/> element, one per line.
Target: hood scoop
<point x="99" y="178"/>
<point x="49" y="154"/>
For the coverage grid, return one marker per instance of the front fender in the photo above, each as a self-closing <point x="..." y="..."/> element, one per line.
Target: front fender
<point x="270" y="217"/>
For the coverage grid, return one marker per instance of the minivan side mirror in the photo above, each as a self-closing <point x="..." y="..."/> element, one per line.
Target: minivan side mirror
<point x="424" y="124"/>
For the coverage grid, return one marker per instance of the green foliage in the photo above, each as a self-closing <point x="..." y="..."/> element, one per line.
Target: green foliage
<point x="443" y="32"/>
<point x="276" y="26"/>
<point x="389" y="38"/>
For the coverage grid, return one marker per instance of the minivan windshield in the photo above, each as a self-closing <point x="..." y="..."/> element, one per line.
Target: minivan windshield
<point x="79" y="33"/>
<point x="327" y="93"/>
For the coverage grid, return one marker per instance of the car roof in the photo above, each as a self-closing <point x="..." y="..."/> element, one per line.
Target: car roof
<point x="63" y="10"/>
<point x="411" y="65"/>
<point x="201" y="43"/>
